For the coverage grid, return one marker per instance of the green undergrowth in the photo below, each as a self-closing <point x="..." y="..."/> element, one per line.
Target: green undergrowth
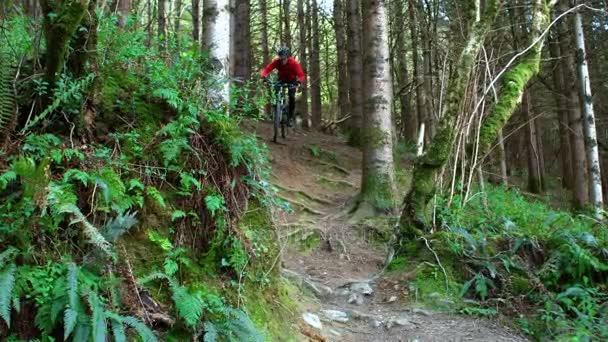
<point x="157" y="227"/>
<point x="518" y="257"/>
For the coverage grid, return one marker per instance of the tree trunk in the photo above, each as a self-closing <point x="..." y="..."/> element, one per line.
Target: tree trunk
<point x="84" y="43"/>
<point x="562" y="112"/>
<point x="123" y="9"/>
<point x="535" y="179"/>
<point x="178" y="18"/>
<point x="427" y="84"/>
<point x="580" y="191"/>
<point x="502" y="156"/>
<point x="315" y="68"/>
<point x="355" y="71"/>
<point x="217" y="41"/>
<point x="343" y="100"/>
<point x="286" y="20"/>
<point x="242" y="42"/>
<point x="58" y="31"/>
<point x="591" y="147"/>
<point x="414" y="216"/>
<point x="409" y="122"/>
<point x="265" y="48"/>
<point x="196" y="21"/>
<point x="303" y="104"/>
<point x="421" y="108"/>
<point x="162" y="25"/>
<point x="378" y="178"/>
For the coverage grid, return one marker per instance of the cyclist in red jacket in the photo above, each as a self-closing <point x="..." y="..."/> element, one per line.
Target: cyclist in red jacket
<point x="290" y="72"/>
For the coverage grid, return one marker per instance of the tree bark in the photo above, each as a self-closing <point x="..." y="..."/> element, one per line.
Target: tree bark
<point x="217" y="41"/>
<point x="562" y="112"/>
<point x="414" y="217"/>
<point x="342" y="65"/>
<point x="409" y="121"/>
<point x="315" y="68"/>
<point x="286" y="20"/>
<point x="123" y="9"/>
<point x="58" y="31"/>
<point x="355" y="71"/>
<point x="162" y="25"/>
<point x="178" y="18"/>
<point x="265" y="48"/>
<point x="421" y="109"/>
<point x="535" y="173"/>
<point x="241" y="56"/>
<point x="378" y="178"/>
<point x="580" y="191"/>
<point x="591" y="147"/>
<point x="303" y="104"/>
<point x="196" y="21"/>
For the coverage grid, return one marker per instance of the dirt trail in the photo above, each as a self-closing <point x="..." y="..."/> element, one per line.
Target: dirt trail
<point x="319" y="175"/>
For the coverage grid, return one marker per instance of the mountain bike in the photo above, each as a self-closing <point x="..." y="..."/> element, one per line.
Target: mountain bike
<point x="280" y="111"/>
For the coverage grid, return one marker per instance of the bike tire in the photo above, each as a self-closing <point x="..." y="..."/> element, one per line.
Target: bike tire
<point x="276" y="118"/>
<point x="284" y="124"/>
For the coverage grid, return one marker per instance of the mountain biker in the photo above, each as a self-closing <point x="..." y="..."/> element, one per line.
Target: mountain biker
<point x="290" y="72"/>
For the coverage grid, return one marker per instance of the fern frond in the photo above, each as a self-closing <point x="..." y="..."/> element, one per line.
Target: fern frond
<point x="7" y="283"/>
<point x="69" y="322"/>
<point x="241" y="325"/>
<point x="8" y="255"/>
<point x="156" y="195"/>
<point x="6" y="178"/>
<point x="98" y="321"/>
<point x="60" y="98"/>
<point x="189" y="306"/>
<point x="144" y="332"/>
<point x="118" y="329"/>
<point x="7" y="94"/>
<point x="119" y="225"/>
<point x="82" y="176"/>
<point x="211" y="332"/>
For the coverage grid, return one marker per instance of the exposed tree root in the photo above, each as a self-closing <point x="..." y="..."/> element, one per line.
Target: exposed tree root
<point x="303" y="194"/>
<point x="330" y="165"/>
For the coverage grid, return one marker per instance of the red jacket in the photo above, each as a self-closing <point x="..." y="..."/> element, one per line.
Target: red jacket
<point x="288" y="72"/>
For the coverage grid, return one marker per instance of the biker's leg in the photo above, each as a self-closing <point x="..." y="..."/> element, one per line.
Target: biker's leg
<point x="292" y="106"/>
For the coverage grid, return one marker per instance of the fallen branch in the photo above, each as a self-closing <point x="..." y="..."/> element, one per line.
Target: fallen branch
<point x="445" y="274"/>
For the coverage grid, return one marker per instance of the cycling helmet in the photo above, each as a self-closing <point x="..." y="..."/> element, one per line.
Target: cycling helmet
<point x="283" y="52"/>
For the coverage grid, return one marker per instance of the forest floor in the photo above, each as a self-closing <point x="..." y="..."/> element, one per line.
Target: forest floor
<point x="339" y="263"/>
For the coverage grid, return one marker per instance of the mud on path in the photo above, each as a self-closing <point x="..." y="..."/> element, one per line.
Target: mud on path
<point x="339" y="265"/>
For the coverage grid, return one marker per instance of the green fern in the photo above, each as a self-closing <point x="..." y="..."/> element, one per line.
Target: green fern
<point x="62" y="200"/>
<point x="7" y="94"/>
<point x="189" y="306"/>
<point x="119" y="225"/>
<point x="7" y="283"/>
<point x="98" y="321"/>
<point x="61" y="97"/>
<point x="144" y="332"/>
<point x="156" y="196"/>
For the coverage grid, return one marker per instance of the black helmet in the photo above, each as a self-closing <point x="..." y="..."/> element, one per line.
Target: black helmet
<point x="283" y="52"/>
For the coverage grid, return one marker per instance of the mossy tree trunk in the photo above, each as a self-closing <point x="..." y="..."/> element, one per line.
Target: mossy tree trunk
<point x="514" y="81"/>
<point x="84" y="43"/>
<point x="420" y="108"/>
<point x="591" y="147"/>
<point x="315" y="67"/>
<point x="428" y="166"/>
<point x="355" y="71"/>
<point x="378" y="179"/>
<point x="343" y="100"/>
<point x="61" y="20"/>
<point x="580" y="190"/>
<point x="303" y="103"/>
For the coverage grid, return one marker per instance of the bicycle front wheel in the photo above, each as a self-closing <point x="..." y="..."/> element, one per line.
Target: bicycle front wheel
<point x="276" y="121"/>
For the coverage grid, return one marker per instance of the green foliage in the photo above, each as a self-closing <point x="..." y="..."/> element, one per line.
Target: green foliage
<point x="558" y="261"/>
